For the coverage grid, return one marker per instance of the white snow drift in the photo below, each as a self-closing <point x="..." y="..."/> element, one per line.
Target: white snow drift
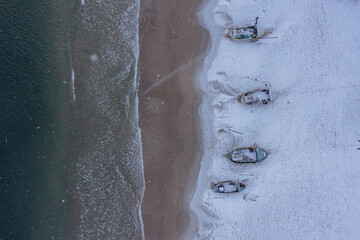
<point x="309" y="186"/>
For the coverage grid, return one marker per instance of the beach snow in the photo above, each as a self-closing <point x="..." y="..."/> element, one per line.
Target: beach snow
<point x="309" y="186"/>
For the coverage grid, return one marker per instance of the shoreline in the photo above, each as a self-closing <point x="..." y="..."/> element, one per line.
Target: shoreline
<point x="137" y="100"/>
<point x="168" y="114"/>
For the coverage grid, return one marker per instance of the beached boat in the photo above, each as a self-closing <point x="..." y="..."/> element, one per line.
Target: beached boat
<point x="248" y="155"/>
<point x="248" y="32"/>
<point x="258" y="96"/>
<point x="228" y="187"/>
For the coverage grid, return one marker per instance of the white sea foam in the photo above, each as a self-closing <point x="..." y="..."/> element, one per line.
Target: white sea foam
<point x="137" y="118"/>
<point x="110" y="176"/>
<point x="93" y="57"/>
<point x="309" y="186"/>
<point x="73" y="84"/>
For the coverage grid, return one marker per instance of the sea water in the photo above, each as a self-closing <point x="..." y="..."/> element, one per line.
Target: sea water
<point x="109" y="171"/>
<point x="35" y="45"/>
<point x="71" y="165"/>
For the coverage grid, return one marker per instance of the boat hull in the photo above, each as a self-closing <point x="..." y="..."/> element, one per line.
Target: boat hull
<point x="261" y="96"/>
<point x="246" y="33"/>
<point x="248" y="155"/>
<point x="228" y="187"/>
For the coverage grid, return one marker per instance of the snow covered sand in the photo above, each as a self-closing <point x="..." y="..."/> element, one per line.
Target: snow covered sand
<point x="309" y="186"/>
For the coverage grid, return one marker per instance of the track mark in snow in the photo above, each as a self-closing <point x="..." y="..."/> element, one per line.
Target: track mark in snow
<point x="250" y="197"/>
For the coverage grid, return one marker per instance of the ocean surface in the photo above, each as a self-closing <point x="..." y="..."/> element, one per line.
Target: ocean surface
<point x="70" y="152"/>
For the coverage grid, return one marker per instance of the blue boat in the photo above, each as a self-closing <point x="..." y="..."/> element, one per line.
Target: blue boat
<point x="229" y="187"/>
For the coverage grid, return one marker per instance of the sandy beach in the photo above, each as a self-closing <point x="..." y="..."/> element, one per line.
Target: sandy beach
<point x="170" y="42"/>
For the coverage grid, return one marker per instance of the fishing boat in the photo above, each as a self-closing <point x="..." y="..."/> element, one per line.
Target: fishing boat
<point x="248" y="155"/>
<point x="228" y="187"/>
<point x="261" y="96"/>
<point x="248" y="32"/>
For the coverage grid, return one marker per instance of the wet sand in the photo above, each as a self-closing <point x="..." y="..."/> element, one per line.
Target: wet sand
<point x="170" y="40"/>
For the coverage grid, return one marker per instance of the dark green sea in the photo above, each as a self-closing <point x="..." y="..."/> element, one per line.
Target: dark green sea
<point x="70" y="152"/>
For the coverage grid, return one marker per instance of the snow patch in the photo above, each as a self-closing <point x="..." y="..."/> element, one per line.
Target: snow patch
<point x="309" y="186"/>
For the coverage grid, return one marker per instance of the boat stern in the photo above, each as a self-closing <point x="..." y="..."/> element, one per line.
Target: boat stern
<point x="261" y="155"/>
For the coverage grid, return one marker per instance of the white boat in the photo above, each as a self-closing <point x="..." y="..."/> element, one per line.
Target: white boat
<point x="262" y="96"/>
<point x="248" y="155"/>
